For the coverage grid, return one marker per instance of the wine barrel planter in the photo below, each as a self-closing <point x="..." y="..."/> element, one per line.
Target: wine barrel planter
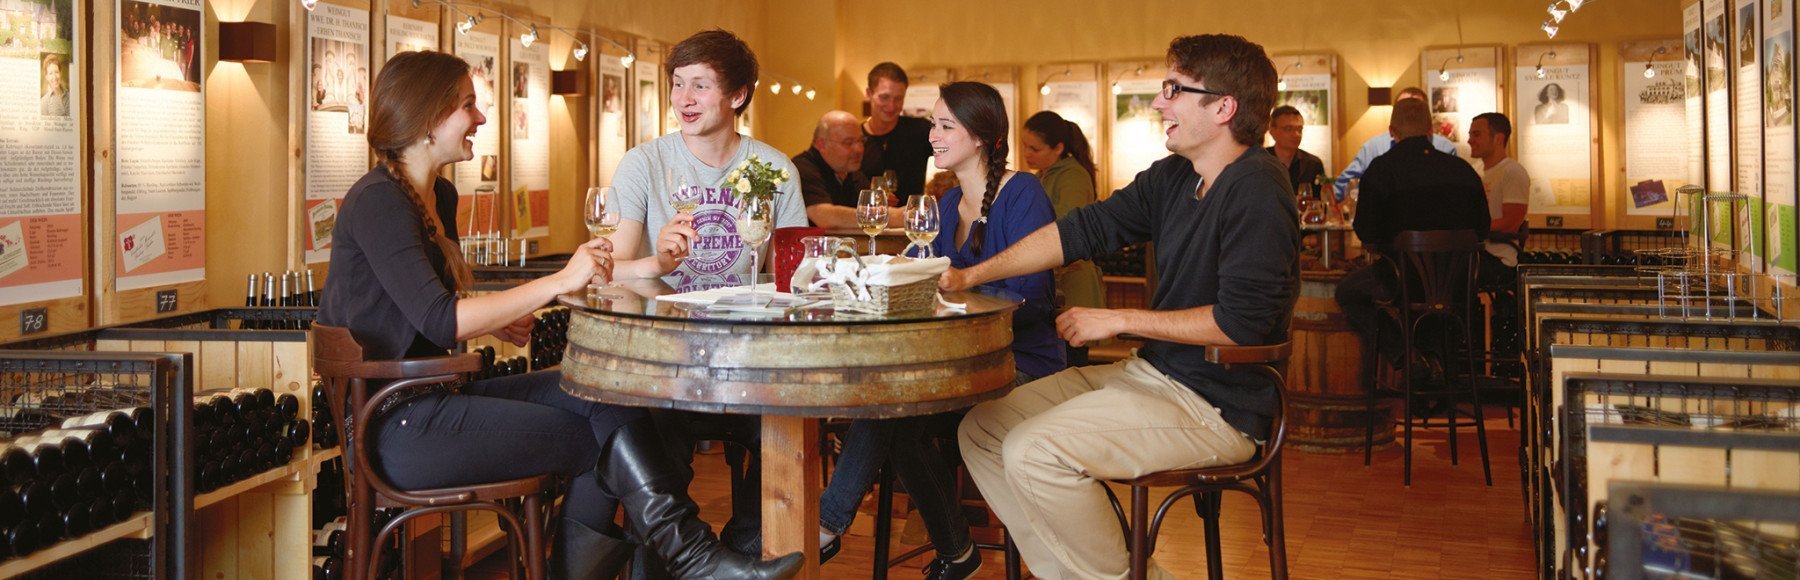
<point x="1327" y="405"/>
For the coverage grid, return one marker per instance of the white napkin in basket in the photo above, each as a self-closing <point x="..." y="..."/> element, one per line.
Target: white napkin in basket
<point x="871" y="270"/>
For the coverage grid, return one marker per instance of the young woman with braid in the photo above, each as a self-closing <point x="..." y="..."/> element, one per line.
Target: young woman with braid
<point x="396" y="283"/>
<point x="968" y="138"/>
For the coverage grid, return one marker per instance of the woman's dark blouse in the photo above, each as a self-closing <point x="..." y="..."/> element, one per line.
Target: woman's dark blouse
<point x="1020" y="207"/>
<point x="388" y="282"/>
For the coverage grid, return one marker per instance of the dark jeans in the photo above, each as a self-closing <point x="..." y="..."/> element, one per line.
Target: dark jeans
<point x="909" y="445"/>
<point x="503" y="428"/>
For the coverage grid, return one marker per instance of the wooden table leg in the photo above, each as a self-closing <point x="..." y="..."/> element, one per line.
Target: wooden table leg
<point x="790" y="502"/>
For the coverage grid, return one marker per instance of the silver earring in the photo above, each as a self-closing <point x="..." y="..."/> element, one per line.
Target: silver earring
<point x="430" y="140"/>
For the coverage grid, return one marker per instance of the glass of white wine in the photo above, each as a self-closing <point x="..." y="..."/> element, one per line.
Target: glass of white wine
<point x="922" y="221"/>
<point x="599" y="213"/>
<point x="755" y="223"/>
<point x="872" y="214"/>
<point x="685" y="198"/>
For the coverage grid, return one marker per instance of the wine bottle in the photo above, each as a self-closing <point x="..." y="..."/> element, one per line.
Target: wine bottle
<point x="298" y="433"/>
<point x="116" y="423"/>
<point x="328" y="568"/>
<point x="22" y="539"/>
<point x="250" y="301"/>
<point x="46" y="456"/>
<point x="287" y="406"/>
<point x="75" y="522"/>
<point x="312" y="295"/>
<point x="17" y="466"/>
<point x="12" y="508"/>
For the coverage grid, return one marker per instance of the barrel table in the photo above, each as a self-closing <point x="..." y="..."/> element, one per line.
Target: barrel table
<point x="634" y="344"/>
<point x="1327" y="405"/>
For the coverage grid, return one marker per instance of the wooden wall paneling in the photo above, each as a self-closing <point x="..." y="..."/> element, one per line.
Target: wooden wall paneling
<point x="220" y="368"/>
<point x="255" y="368"/>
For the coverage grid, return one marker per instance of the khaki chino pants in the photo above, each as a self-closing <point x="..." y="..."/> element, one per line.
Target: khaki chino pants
<point x="1039" y="455"/>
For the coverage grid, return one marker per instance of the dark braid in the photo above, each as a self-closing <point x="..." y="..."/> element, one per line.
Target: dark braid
<point x="979" y="109"/>
<point x="996" y="172"/>
<point x="461" y="278"/>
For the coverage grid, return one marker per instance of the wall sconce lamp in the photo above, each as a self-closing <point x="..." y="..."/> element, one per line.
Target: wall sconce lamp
<point x="1281" y="79"/>
<point x="567" y="83"/>
<point x="1381" y="96"/>
<point x="1118" y="90"/>
<point x="1649" y="72"/>
<point x="1540" y="63"/>
<point x="1444" y="69"/>
<point x="1044" y="85"/>
<point x="247" y="41"/>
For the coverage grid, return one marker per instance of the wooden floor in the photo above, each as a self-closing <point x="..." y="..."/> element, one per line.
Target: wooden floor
<point x="1344" y="520"/>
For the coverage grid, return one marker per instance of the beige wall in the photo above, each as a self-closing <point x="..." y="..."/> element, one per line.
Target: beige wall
<point x="1377" y="42"/>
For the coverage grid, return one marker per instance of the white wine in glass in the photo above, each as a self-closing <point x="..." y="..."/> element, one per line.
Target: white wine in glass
<point x="872" y="214"/>
<point x="602" y="220"/>
<point x="922" y="221"/>
<point x="685" y="199"/>
<point x="755" y="223"/>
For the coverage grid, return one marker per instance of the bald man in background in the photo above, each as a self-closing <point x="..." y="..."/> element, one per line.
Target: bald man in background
<point x="829" y="176"/>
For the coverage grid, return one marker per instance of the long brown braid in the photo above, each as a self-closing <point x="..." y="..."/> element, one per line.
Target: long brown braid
<point x="414" y="93"/>
<point x="979" y="109"/>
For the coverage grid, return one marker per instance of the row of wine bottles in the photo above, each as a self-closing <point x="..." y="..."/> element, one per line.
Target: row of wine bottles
<point x="493" y="367"/>
<point x="1125" y="262"/>
<point x="243" y="432"/>
<point x="325" y="433"/>
<point x="548" y="338"/>
<point x="82" y="474"/>
<point x="286" y="292"/>
<point x="328" y="545"/>
<point x="1624" y="258"/>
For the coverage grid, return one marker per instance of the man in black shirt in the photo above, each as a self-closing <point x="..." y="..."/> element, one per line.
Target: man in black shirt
<point x="1413" y="187"/>
<point x="829" y="180"/>
<point x="1227" y="236"/>
<point x="900" y="144"/>
<point x="1285" y="128"/>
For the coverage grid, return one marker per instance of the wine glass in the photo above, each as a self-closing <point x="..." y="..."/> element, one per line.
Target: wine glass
<point x="922" y="221"/>
<point x="755" y="222"/>
<point x="600" y="214"/>
<point x="685" y="198"/>
<point x="872" y="214"/>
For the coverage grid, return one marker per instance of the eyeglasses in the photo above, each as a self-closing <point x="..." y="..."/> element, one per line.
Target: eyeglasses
<point x="1172" y="89"/>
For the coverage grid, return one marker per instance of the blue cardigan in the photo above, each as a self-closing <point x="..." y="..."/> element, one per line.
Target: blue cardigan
<point x="1020" y="208"/>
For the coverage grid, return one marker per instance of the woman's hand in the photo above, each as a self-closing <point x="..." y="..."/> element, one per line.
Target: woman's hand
<point x="517" y="333"/>
<point x="674" y="240"/>
<point x="591" y="263"/>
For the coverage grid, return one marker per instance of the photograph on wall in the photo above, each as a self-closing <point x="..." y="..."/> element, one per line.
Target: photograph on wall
<point x="476" y="182"/>
<point x="649" y="101"/>
<point x="406" y="35"/>
<point x="612" y="89"/>
<point x="1719" y="170"/>
<point x="1655" y="108"/>
<point x="1553" y="128"/>
<point x="1777" y="215"/>
<point x="160" y="165"/>
<point x="1137" y="132"/>
<point x="612" y="137"/>
<point x="159" y="45"/>
<point x="1746" y="97"/>
<point x="530" y="160"/>
<point x="1694" y="95"/>
<point x="337" y="72"/>
<point x="41" y="249"/>
<point x="1460" y="83"/>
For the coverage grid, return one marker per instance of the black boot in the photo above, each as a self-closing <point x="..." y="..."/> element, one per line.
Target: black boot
<point x="653" y="488"/>
<point x="583" y="553"/>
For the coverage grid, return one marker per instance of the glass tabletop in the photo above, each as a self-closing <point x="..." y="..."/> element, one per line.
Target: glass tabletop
<point x="657" y="298"/>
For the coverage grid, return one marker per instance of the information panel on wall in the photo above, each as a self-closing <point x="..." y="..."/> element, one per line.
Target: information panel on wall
<point x="530" y="125"/>
<point x="921" y="96"/>
<point x="1309" y="84"/>
<point x="406" y="34"/>
<point x="1137" y="133"/>
<point x="477" y="181"/>
<point x="337" y="117"/>
<point x="1076" y="100"/>
<point x="1655" y="130"/>
<point x="1554" y="126"/>
<point x="1746" y="96"/>
<point x="1694" y="94"/>
<point x="612" y="116"/>
<point x="1461" y="82"/>
<point x="649" y="101"/>
<point x="160" y="199"/>
<point x="1718" y="112"/>
<point x="40" y="156"/>
<point x="1778" y="135"/>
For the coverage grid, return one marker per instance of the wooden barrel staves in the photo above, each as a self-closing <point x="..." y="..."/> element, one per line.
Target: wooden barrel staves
<point x="1327" y="405"/>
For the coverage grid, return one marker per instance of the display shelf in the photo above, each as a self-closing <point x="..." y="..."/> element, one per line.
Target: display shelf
<point x="137" y="526"/>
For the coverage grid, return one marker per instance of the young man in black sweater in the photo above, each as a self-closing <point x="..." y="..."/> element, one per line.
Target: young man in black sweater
<point x="1222" y="214"/>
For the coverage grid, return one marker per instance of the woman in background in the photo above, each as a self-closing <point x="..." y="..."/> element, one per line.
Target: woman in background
<point x="1057" y="150"/>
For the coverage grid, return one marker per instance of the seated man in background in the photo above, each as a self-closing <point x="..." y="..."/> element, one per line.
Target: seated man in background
<point x="1508" y="195"/>
<point x="1379" y="144"/>
<point x="829" y="179"/>
<point x="1285" y="126"/>
<point x="1414" y="187"/>
<point x="1227" y="236"/>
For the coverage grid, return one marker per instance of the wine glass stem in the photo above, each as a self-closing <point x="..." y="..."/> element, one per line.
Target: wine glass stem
<point x="753" y="272"/>
<point x="871" y="245"/>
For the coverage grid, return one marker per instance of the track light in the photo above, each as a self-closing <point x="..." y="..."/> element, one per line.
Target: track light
<point x="775" y="89"/>
<point x="467" y="24"/>
<point x="1556" y="14"/>
<point x="810" y="94"/>
<point x="309" y="4"/>
<point x="1549" y="29"/>
<point x="581" y="51"/>
<point x="630" y="57"/>
<point x="796" y="88"/>
<point x="529" y="36"/>
<point x="1575" y="4"/>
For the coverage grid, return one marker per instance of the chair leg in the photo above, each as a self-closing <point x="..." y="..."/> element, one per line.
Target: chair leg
<point x="534" y="538"/>
<point x="1209" y="504"/>
<point x="1487" y="471"/>
<point x="1451" y="419"/>
<point x="884" y="521"/>
<point x="1407" y="386"/>
<point x="1277" y="526"/>
<point x="1374" y="387"/>
<point x="1140" y="532"/>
